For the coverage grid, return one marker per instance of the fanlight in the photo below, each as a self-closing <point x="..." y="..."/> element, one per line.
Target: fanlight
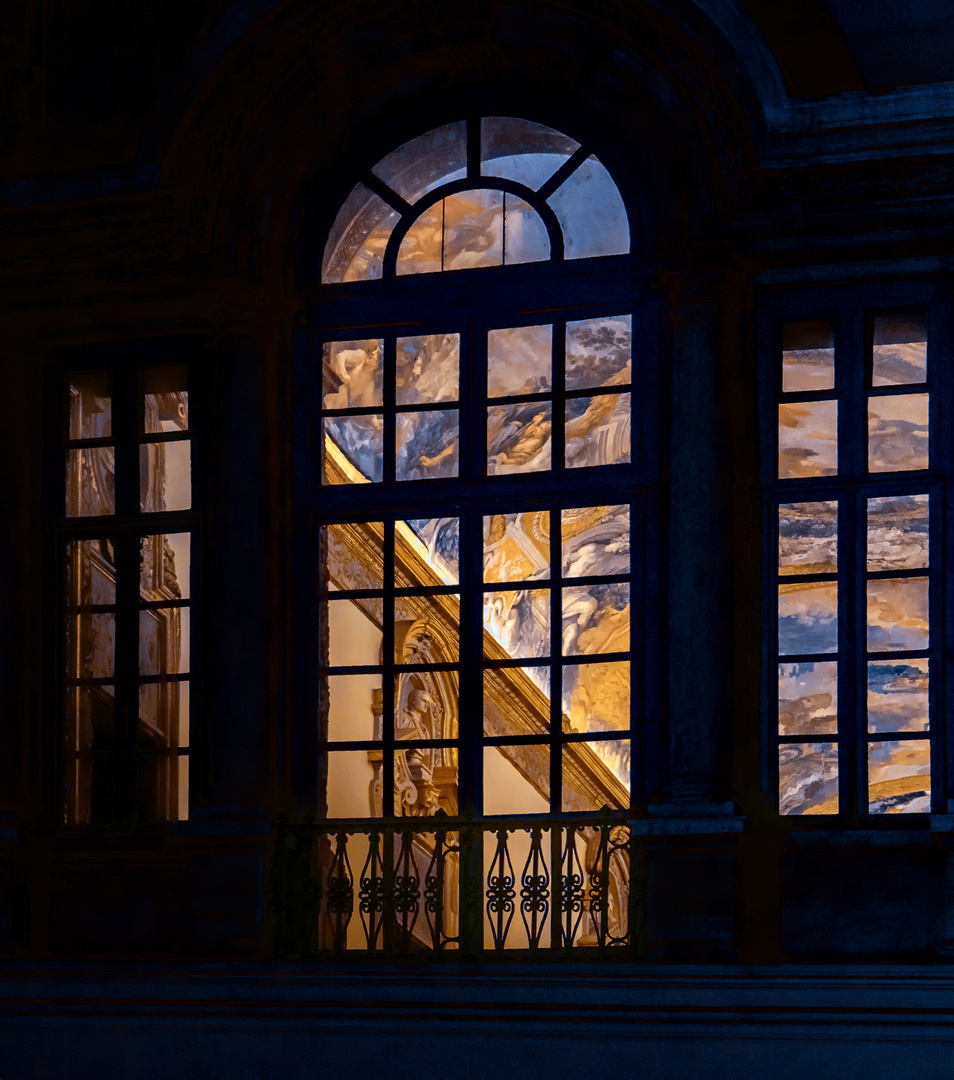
<point x="533" y="195"/>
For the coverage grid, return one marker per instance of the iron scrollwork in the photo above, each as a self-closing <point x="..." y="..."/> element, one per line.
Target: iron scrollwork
<point x="448" y="886"/>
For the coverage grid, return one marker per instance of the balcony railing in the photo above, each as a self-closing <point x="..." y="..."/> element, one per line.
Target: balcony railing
<point x="458" y="887"/>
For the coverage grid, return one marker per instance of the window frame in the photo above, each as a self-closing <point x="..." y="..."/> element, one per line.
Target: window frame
<point x="125" y="361"/>
<point x="851" y="310"/>
<point x="614" y="286"/>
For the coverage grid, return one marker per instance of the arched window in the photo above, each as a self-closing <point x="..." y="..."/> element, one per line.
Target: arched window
<point x="480" y="458"/>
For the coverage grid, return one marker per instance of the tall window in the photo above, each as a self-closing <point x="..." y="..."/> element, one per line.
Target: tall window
<point x="124" y="544"/>
<point x="479" y="469"/>
<point x="857" y="520"/>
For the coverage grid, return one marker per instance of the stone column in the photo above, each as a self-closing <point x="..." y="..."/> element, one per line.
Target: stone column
<point x="699" y="599"/>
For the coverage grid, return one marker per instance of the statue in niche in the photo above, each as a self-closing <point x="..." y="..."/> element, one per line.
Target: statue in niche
<point x="423" y="779"/>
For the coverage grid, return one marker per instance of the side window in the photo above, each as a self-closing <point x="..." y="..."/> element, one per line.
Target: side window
<point x="856" y="518"/>
<point x="125" y="543"/>
<point x="478" y="486"/>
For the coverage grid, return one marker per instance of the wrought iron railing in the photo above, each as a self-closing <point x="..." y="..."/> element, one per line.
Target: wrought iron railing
<point x="457" y="887"/>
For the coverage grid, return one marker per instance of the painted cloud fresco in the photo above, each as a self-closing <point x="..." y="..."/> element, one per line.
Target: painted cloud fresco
<point x="808" y="618"/>
<point x="899" y="349"/>
<point x="807" y="538"/>
<point x="808" y="698"/>
<point x="898" y="433"/>
<point x="897" y="614"/>
<point x="899" y="777"/>
<point x="807" y="439"/>
<point x="428" y="369"/>
<point x="427" y="444"/>
<point x="597" y="428"/>
<point x="808" y="778"/>
<point x="595" y="540"/>
<point x="808" y="369"/>
<point x="808" y="356"/>
<point x="519" y="360"/>
<point x="898" y="536"/>
<point x="897" y="695"/>
<point x="475" y="228"/>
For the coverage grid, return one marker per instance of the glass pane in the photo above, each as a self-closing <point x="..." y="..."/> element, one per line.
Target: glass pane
<point x="426" y="629"/>
<point x="165" y="566"/>
<point x="595" y="540"/>
<point x="90" y="484"/>
<point x="183" y="807"/>
<point x="90" y="572"/>
<point x="517" y="546"/>
<point x="525" y="237"/>
<point x="898" y="532"/>
<point x="807" y="618"/>
<point x="595" y="619"/>
<point x="91" y="645"/>
<point x="808" y="778"/>
<point x="516" y="701"/>
<point x="354" y="449"/>
<point x="899" y="777"/>
<point x="519" y="360"/>
<point x="354" y="707"/>
<point x="426" y="706"/>
<point x="164" y="641"/>
<point x="522" y="150"/>
<point x="598" y="430"/>
<point x="351" y="373"/>
<point x="897" y="614"/>
<point x="899" y="349"/>
<point x="422" y="249"/>
<point x="163" y="716"/>
<point x="427" y="444"/>
<point x="599" y="352"/>
<point x="898" y="695"/>
<point x="596" y="696"/>
<point x="437" y="541"/>
<point x="354" y="784"/>
<point x="90" y="719"/>
<point x="165" y="399"/>
<point x="807" y="538"/>
<point x="420" y="165"/>
<point x="516" y="780"/>
<point x="473" y="229"/>
<point x="353" y="638"/>
<point x="165" y="476"/>
<point x="91" y="409"/>
<point x="591" y="213"/>
<point x="808" y="698"/>
<point x="519" y="621"/>
<point x="358" y="238"/>
<point x="425" y="780"/>
<point x="428" y="369"/>
<point x="518" y="437"/>
<point x="354" y="554"/>
<point x="596" y="774"/>
<point x="897" y="433"/>
<point x="808" y="356"/>
<point x="807" y="439"/>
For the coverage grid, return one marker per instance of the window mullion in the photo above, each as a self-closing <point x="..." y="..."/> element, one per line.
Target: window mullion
<point x="127" y="425"/>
